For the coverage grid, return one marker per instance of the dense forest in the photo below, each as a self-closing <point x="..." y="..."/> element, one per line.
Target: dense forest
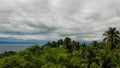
<point x="67" y="53"/>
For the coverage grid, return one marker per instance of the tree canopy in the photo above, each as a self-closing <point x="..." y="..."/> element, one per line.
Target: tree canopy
<point x="67" y="53"/>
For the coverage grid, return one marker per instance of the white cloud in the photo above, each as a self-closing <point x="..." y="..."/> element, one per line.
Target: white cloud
<point x="54" y="19"/>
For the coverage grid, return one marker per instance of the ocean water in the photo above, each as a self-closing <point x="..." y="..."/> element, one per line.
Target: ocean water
<point x="13" y="47"/>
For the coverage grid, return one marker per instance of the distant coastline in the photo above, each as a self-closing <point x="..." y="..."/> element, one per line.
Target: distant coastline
<point x="13" y="47"/>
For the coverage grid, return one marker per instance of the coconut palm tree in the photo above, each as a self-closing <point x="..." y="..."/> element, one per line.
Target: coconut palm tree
<point x="112" y="37"/>
<point x="90" y="58"/>
<point x="109" y="61"/>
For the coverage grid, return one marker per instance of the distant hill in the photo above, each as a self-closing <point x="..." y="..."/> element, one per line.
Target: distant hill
<point x="24" y="42"/>
<point x="11" y="40"/>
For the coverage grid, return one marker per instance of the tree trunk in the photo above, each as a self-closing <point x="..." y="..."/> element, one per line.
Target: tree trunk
<point x="88" y="65"/>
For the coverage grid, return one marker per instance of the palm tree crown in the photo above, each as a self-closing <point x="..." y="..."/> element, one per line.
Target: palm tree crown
<point x="112" y="37"/>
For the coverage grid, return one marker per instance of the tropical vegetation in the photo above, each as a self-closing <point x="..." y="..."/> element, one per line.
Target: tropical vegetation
<point x="68" y="53"/>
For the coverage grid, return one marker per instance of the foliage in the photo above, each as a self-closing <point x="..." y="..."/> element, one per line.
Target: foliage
<point x="66" y="53"/>
<point x="112" y="37"/>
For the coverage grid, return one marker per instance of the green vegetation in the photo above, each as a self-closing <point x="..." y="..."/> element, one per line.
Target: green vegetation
<point x="67" y="53"/>
<point x="112" y="37"/>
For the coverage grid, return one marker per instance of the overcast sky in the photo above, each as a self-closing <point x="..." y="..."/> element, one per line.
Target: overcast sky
<point x="54" y="19"/>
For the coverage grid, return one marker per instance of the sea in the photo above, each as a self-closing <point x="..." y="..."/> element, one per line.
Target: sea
<point x="13" y="47"/>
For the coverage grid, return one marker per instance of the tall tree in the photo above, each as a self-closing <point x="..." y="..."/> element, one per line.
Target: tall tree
<point x="75" y="45"/>
<point x="90" y="58"/>
<point x="60" y="42"/>
<point x="54" y="44"/>
<point x="67" y="43"/>
<point x="112" y="37"/>
<point x="94" y="43"/>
